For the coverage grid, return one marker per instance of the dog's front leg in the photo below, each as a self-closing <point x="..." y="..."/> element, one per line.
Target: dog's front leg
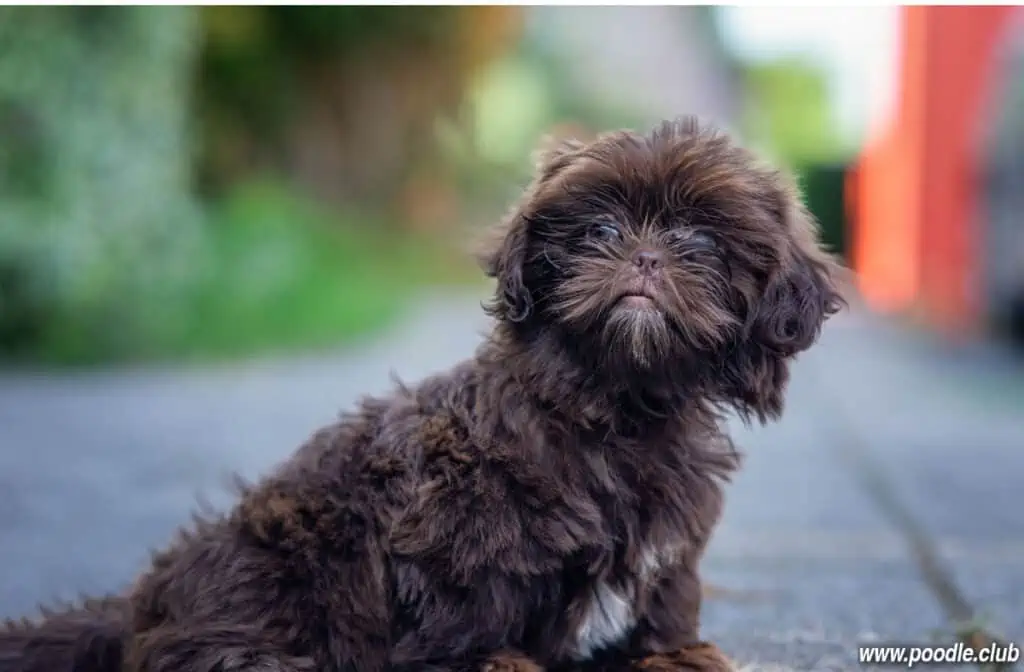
<point x="693" y="656"/>
<point x="667" y="637"/>
<point x="696" y="657"/>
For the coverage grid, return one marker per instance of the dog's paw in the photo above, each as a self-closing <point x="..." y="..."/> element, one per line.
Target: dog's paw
<point x="701" y="657"/>
<point x="510" y="662"/>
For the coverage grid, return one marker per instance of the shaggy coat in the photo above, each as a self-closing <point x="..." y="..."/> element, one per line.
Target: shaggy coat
<point x="545" y="503"/>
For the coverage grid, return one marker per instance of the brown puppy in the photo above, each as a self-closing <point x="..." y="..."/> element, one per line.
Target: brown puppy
<point x="544" y="504"/>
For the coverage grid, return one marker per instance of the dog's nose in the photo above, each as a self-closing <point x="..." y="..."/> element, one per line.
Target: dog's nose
<point x="647" y="260"/>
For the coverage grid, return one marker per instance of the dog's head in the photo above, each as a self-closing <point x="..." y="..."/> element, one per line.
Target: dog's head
<point x="676" y="255"/>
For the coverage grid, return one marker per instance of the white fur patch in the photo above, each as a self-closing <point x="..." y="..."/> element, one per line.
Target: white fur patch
<point x="609" y="618"/>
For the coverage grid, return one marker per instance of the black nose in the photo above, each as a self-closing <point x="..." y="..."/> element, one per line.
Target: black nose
<point x="647" y="260"/>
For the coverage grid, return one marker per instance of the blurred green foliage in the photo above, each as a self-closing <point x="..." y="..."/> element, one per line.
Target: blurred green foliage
<point x="788" y="111"/>
<point x="97" y="225"/>
<point x="824" y="187"/>
<point x="292" y="275"/>
<point x="280" y="87"/>
<point x="514" y="101"/>
<point x="250" y="52"/>
<point x="105" y="252"/>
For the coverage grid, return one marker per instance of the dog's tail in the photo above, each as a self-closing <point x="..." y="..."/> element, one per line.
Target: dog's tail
<point x="89" y="637"/>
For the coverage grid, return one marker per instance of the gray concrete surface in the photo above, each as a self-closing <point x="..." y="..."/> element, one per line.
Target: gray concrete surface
<point x="946" y="428"/>
<point x="96" y="468"/>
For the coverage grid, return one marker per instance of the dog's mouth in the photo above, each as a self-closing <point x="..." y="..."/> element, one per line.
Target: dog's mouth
<point x="638" y="295"/>
<point x="637" y="301"/>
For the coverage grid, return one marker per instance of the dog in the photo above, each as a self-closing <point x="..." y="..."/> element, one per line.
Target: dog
<point x="543" y="505"/>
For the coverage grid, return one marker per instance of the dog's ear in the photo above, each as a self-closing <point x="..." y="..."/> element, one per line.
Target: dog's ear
<point x="786" y="318"/>
<point x="505" y="255"/>
<point x="504" y="259"/>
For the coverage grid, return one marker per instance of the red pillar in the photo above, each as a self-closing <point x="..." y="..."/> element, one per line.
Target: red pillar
<point x="886" y="217"/>
<point x="915" y="230"/>
<point x="959" y="68"/>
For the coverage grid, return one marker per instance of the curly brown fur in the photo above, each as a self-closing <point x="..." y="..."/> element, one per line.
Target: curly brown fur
<point x="544" y="504"/>
<point x="90" y="636"/>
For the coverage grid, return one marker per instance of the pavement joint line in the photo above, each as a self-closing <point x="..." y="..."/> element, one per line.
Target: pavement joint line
<point x="937" y="577"/>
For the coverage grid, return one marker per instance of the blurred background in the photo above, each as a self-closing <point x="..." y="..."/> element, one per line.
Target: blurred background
<point x="221" y="182"/>
<point x="220" y="225"/>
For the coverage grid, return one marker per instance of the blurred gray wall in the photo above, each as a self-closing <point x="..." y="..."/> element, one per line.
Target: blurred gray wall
<point x="662" y="61"/>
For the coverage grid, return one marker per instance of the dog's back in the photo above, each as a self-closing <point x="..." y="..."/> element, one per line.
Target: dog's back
<point x="85" y="638"/>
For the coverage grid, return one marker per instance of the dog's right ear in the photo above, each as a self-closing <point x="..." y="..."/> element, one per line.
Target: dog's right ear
<point x="787" y="318"/>
<point x="504" y="256"/>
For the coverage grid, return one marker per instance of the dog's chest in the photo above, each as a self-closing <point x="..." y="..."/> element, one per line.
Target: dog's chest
<point x="649" y="514"/>
<point x="610" y="608"/>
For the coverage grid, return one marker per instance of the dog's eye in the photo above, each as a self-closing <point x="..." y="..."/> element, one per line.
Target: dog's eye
<point x="694" y="240"/>
<point x="605" y="230"/>
<point x="702" y="241"/>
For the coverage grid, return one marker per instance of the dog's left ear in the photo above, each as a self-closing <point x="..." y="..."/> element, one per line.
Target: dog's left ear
<point x="504" y="256"/>
<point x="799" y="296"/>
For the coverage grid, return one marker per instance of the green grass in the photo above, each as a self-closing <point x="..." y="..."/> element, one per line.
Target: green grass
<point x="278" y="275"/>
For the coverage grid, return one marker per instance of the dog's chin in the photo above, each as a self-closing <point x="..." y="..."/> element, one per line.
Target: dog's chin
<point x="637" y="335"/>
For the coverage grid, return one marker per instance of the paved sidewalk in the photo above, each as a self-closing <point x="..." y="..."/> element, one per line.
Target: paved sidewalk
<point x="97" y="468"/>
<point x="804" y="527"/>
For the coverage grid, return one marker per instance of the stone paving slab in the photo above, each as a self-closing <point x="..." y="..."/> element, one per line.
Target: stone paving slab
<point x="811" y="614"/>
<point x="824" y="569"/>
<point x="947" y="425"/>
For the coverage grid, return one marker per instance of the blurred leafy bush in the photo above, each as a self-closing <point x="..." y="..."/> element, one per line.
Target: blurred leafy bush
<point x="789" y="114"/>
<point x="343" y="100"/>
<point x="98" y="231"/>
<point x="290" y="274"/>
<point x="788" y="110"/>
<point x="105" y="252"/>
<point x="511" y="103"/>
<point x="824" y="187"/>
